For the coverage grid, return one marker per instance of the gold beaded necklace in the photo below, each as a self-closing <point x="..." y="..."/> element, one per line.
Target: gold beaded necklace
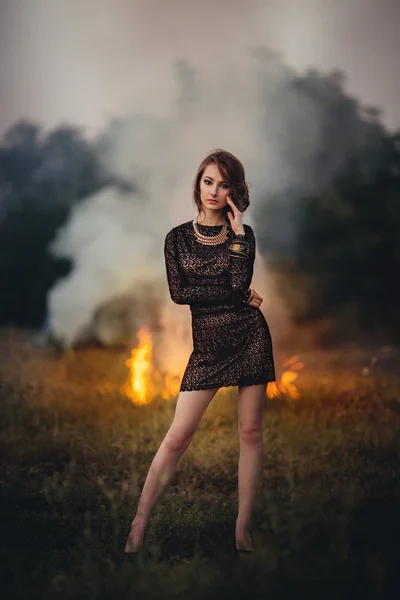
<point x="213" y="240"/>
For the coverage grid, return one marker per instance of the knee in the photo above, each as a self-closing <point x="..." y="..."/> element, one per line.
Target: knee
<point x="177" y="440"/>
<point x="250" y="434"/>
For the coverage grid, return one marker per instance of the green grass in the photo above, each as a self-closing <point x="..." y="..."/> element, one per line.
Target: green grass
<point x="74" y="459"/>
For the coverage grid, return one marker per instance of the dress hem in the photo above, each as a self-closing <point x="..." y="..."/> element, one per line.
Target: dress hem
<point x="235" y="383"/>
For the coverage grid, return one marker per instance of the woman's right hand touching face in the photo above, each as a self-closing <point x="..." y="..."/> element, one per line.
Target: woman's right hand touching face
<point x="256" y="299"/>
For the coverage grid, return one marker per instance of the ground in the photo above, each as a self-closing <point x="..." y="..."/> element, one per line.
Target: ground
<point x="75" y="451"/>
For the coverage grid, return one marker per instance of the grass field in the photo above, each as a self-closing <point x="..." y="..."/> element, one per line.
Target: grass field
<point x="75" y="451"/>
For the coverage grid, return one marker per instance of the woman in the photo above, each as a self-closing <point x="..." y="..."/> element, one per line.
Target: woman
<point x="209" y="265"/>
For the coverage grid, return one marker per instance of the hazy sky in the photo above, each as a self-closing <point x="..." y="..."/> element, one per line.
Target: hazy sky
<point x="83" y="61"/>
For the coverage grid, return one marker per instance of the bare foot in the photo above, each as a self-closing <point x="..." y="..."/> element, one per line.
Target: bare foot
<point x="243" y="538"/>
<point x="136" y="535"/>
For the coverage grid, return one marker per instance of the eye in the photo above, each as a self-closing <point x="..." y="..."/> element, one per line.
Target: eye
<point x="225" y="185"/>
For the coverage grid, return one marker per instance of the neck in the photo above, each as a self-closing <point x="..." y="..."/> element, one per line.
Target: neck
<point x="211" y="218"/>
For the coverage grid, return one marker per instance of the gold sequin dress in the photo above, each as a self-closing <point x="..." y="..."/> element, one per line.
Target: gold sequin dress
<point x="231" y="341"/>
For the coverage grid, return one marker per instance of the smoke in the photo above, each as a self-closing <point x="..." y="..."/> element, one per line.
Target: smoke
<point x="182" y="79"/>
<point x="115" y="239"/>
<point x="112" y="249"/>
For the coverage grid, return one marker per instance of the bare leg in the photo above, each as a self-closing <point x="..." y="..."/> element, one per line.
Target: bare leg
<point x="250" y="413"/>
<point x="189" y="410"/>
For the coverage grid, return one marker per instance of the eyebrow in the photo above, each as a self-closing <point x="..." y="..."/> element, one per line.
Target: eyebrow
<point x="208" y="177"/>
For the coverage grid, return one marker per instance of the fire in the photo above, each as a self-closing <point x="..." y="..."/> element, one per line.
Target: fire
<point x="286" y="385"/>
<point x="145" y="382"/>
<point x="140" y="389"/>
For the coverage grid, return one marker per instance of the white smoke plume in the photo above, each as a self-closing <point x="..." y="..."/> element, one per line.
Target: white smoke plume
<point x="88" y="61"/>
<point x="115" y="239"/>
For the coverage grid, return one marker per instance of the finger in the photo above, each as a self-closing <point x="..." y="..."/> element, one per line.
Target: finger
<point x="235" y="210"/>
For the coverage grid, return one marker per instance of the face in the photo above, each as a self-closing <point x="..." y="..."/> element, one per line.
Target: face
<point x="213" y="187"/>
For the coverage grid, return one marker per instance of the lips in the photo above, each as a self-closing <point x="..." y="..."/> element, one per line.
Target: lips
<point x="209" y="200"/>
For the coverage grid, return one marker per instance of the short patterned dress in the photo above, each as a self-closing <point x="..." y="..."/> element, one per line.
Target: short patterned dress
<point x="231" y="340"/>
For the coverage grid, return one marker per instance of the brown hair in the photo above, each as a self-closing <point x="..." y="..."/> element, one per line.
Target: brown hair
<point x="232" y="170"/>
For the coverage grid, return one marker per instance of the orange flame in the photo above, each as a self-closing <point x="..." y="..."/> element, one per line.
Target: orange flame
<point x="145" y="382"/>
<point x="286" y="385"/>
<point x="140" y="390"/>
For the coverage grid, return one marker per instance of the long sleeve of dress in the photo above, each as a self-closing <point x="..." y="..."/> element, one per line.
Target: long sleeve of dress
<point x="183" y="292"/>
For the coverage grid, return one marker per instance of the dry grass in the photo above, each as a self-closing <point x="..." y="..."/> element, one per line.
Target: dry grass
<point x="75" y="452"/>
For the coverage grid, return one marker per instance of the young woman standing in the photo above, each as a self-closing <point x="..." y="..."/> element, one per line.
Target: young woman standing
<point x="209" y="266"/>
